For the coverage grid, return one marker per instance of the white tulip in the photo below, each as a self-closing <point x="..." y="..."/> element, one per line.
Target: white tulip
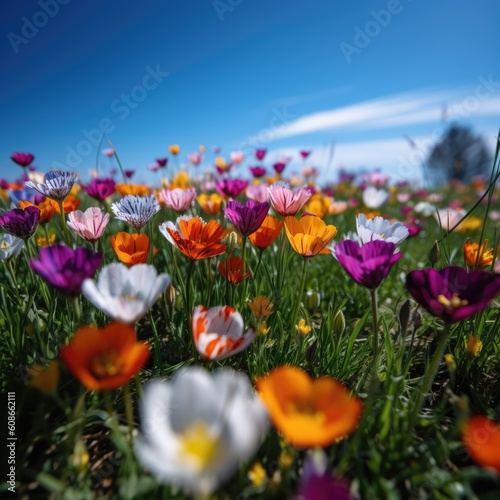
<point x="374" y="198"/>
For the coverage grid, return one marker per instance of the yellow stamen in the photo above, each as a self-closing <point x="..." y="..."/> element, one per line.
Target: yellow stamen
<point x="199" y="445"/>
<point x="454" y="303"/>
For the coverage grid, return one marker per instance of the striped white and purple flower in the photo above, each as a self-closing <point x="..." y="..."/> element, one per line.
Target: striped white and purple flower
<point x="56" y="184"/>
<point x="136" y="211"/>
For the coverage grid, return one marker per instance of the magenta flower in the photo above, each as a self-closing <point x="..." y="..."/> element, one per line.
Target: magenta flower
<point x="257" y="172"/>
<point x="305" y="154"/>
<point x="368" y="264"/>
<point x="162" y="162"/>
<point x="90" y="224"/>
<point x="21" y="222"/>
<point x="230" y="188"/>
<point x="452" y="294"/>
<point x="279" y="166"/>
<point x="260" y="153"/>
<point x="100" y="189"/>
<point x="287" y="202"/>
<point x="129" y="173"/>
<point x="246" y="218"/>
<point x="178" y="199"/>
<point x="65" y="268"/>
<point x="22" y="159"/>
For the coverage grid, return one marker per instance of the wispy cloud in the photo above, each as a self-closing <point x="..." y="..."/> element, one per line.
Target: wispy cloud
<point x="394" y="111"/>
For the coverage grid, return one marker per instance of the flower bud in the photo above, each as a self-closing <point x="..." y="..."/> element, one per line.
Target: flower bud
<point x="404" y="314"/>
<point x="435" y="253"/>
<point x="338" y="324"/>
<point x="313" y="300"/>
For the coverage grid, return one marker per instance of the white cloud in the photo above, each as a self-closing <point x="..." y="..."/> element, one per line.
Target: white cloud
<point x="395" y="111"/>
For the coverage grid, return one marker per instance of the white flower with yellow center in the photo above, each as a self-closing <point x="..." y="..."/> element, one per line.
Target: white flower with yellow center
<point x="126" y="293"/>
<point x="198" y="428"/>
<point x="379" y="228"/>
<point x="10" y="246"/>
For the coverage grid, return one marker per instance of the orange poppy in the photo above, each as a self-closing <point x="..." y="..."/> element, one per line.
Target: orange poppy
<point x="106" y="358"/>
<point x="195" y="238"/>
<point x="132" y="189"/>
<point x="471" y="251"/>
<point x="47" y="209"/>
<point x="234" y="273"/>
<point x="131" y="248"/>
<point x="267" y="232"/>
<point x="70" y="204"/>
<point x="210" y="203"/>
<point x="308" y="412"/>
<point x="309" y="235"/>
<point x="481" y="437"/>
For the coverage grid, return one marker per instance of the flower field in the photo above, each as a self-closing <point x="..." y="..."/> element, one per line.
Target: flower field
<point x="249" y="333"/>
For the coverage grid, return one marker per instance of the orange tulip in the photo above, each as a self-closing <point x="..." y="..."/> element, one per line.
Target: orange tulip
<point x="131" y="248"/>
<point x="471" y="251"/>
<point x="310" y="235"/>
<point x="261" y="307"/>
<point x="70" y="204"/>
<point x="47" y="209"/>
<point x="234" y="273"/>
<point x="174" y="149"/>
<point x="195" y="238"/>
<point x="308" y="412"/>
<point x="318" y="205"/>
<point x="481" y="437"/>
<point x="106" y="358"/>
<point x="267" y="232"/>
<point x="210" y="203"/>
<point x="132" y="189"/>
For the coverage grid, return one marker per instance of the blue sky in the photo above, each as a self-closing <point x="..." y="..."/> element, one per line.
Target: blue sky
<point x="283" y="75"/>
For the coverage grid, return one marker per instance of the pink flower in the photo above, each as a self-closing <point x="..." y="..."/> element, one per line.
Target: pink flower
<point x="178" y="199"/>
<point x="154" y="167"/>
<point x="90" y="224"/>
<point x="305" y="154"/>
<point x="22" y="159"/>
<point x="109" y="152"/>
<point x="257" y="192"/>
<point x="260" y="153"/>
<point x="237" y="157"/>
<point x="195" y="158"/>
<point x="287" y="202"/>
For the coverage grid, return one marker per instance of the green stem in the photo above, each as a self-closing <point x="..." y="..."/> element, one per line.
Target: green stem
<point x="189" y="307"/>
<point x="243" y="257"/>
<point x="129" y="411"/>
<point x="157" y="352"/>
<point x="375" y="333"/>
<point x="63" y="222"/>
<point x="430" y="373"/>
<point x="299" y="297"/>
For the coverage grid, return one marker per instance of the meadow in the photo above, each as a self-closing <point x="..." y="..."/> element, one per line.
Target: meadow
<point x="249" y="333"/>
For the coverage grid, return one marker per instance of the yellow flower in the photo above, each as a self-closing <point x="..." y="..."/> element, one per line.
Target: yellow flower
<point x="470" y="224"/>
<point x="210" y="203"/>
<point x="303" y="328"/>
<point x="180" y="180"/>
<point x="318" y="205"/>
<point x="473" y="345"/>
<point x="310" y="235"/>
<point x="45" y="378"/>
<point x="450" y="362"/>
<point x="263" y="329"/>
<point x="42" y="241"/>
<point x="257" y="475"/>
<point x="261" y="306"/>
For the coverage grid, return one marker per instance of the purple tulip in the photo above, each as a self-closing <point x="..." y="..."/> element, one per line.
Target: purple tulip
<point x="369" y="263"/>
<point x="65" y="268"/>
<point x="129" y="173"/>
<point x="4" y="184"/>
<point x="452" y="294"/>
<point x="162" y="162"/>
<point x="21" y="222"/>
<point x="246" y="218"/>
<point x="279" y="166"/>
<point x="231" y="188"/>
<point x="100" y="189"/>
<point x="257" y="171"/>
<point x="305" y="154"/>
<point x="260" y="153"/>
<point x="22" y="159"/>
